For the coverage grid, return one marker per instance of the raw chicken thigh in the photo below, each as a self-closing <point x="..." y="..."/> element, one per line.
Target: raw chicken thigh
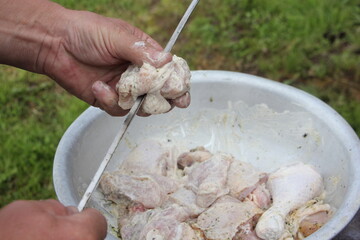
<point x="168" y="82"/>
<point x="162" y="193"/>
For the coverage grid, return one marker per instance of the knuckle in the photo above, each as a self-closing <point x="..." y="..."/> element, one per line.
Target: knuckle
<point x="17" y="203"/>
<point x="45" y="220"/>
<point x="54" y="202"/>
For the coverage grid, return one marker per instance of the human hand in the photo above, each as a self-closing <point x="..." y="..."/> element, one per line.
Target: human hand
<point x="162" y="86"/>
<point x="84" y="52"/>
<point x="95" y="52"/>
<point x="49" y="219"/>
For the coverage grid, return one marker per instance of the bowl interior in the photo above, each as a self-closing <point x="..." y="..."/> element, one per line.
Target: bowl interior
<point x="259" y="121"/>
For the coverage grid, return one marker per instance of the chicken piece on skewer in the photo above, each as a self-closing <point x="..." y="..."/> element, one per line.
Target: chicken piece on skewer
<point x="169" y="82"/>
<point x="290" y="187"/>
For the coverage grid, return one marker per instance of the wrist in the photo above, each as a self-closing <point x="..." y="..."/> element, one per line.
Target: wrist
<point x="29" y="31"/>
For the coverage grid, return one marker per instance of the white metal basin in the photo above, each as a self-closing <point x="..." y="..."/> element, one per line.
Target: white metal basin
<point x="294" y="126"/>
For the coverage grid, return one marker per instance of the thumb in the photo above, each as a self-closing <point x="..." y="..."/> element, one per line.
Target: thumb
<point x="138" y="47"/>
<point x="92" y="221"/>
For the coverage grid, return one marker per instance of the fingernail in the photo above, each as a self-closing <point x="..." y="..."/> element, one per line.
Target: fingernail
<point x="183" y="101"/>
<point x="139" y="44"/>
<point x="96" y="87"/>
<point x="159" y="57"/>
<point x="99" y="86"/>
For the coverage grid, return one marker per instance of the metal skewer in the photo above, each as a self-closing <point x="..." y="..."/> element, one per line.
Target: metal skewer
<point x="134" y="109"/>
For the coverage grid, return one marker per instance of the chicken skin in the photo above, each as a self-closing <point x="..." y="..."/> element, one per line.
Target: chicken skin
<point x="160" y="84"/>
<point x="163" y="193"/>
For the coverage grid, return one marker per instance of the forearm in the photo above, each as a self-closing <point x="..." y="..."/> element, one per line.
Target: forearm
<point x="28" y="30"/>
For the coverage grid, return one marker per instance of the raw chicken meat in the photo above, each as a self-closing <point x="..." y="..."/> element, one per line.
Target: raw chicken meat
<point x="168" y="82"/>
<point x="151" y="157"/>
<point x="186" y="198"/>
<point x="149" y="190"/>
<point x="208" y="179"/>
<point x="188" y="233"/>
<point x="132" y="227"/>
<point x="199" y="154"/>
<point x="158" y="224"/>
<point x="307" y="219"/>
<point x="198" y="195"/>
<point x="290" y="187"/>
<point x="260" y="196"/>
<point x="247" y="230"/>
<point x="243" y="179"/>
<point x="223" y="218"/>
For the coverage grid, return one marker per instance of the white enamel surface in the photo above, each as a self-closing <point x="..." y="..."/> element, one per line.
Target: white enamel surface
<point x="266" y="137"/>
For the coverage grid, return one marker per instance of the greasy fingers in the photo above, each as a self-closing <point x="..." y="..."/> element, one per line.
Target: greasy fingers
<point x="51" y="206"/>
<point x="107" y="99"/>
<point x="142" y="113"/>
<point x="141" y="51"/>
<point x="137" y="47"/>
<point x="49" y="219"/>
<point x="92" y="225"/>
<point x="182" y="101"/>
<point x="70" y="210"/>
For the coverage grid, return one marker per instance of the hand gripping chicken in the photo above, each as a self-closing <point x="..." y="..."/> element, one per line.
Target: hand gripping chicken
<point x="290" y="187"/>
<point x="168" y="83"/>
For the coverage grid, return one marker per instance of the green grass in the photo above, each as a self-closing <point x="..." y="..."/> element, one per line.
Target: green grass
<point x="34" y="114"/>
<point x="310" y="44"/>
